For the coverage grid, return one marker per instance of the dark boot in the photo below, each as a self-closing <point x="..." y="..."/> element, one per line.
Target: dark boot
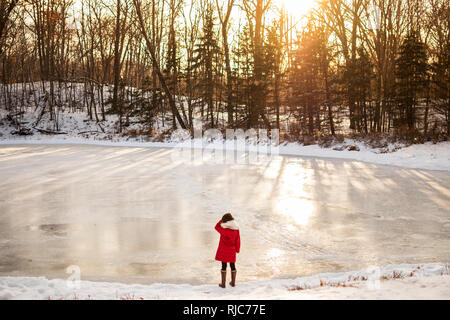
<point x="233" y="278"/>
<point x="224" y="278"/>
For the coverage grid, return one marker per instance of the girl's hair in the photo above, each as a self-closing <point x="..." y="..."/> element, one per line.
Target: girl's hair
<point x="227" y="217"/>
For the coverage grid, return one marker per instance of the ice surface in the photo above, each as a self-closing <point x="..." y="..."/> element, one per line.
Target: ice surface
<point x="128" y="214"/>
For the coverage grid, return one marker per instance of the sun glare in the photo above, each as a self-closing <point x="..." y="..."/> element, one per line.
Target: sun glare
<point x="296" y="8"/>
<point x="293" y="201"/>
<point x="300" y="210"/>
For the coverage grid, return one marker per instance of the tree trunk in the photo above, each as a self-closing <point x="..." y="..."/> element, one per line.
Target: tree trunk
<point x="151" y="50"/>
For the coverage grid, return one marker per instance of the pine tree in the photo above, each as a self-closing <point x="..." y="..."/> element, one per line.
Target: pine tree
<point x="307" y="90"/>
<point x="173" y="58"/>
<point x="441" y="84"/>
<point x="206" y="65"/>
<point x="325" y="56"/>
<point x="411" y="71"/>
<point x="273" y="57"/>
<point x="243" y="73"/>
<point x="360" y="75"/>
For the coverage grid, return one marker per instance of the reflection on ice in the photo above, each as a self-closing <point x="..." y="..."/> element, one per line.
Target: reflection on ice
<point x="299" y="210"/>
<point x="133" y="215"/>
<point x="291" y="196"/>
<point x="274" y="253"/>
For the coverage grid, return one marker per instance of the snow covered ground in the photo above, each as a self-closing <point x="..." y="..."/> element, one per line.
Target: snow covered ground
<point x="420" y="281"/>
<point x="80" y="130"/>
<point x="418" y="156"/>
<point x="421" y="156"/>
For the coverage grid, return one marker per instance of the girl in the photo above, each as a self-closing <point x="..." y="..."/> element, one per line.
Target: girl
<point x="229" y="245"/>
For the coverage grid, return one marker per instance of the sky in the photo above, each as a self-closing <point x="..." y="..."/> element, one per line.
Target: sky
<point x="296" y="7"/>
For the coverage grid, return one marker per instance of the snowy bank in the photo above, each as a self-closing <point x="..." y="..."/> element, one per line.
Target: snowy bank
<point x="427" y="156"/>
<point x="406" y="281"/>
<point x="418" y="156"/>
<point x="79" y="130"/>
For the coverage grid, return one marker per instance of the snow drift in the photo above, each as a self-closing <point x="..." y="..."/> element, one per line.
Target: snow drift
<point x="390" y="282"/>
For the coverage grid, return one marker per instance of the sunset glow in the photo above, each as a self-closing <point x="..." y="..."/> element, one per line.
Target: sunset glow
<point x="297" y="8"/>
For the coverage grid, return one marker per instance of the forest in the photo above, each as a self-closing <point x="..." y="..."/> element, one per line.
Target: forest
<point x="344" y="68"/>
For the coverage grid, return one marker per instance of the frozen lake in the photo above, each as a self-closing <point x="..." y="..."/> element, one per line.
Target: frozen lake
<point x="133" y="215"/>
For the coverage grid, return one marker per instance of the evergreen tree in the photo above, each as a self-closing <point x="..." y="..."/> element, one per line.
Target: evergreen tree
<point x="273" y="58"/>
<point x="328" y="78"/>
<point x="206" y="63"/>
<point x="441" y="82"/>
<point x="360" y="75"/>
<point x="411" y="71"/>
<point x="173" y="59"/>
<point x="244" y="70"/>
<point x="307" y="91"/>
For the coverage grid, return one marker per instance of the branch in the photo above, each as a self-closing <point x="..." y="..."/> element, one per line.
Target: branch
<point x="157" y="69"/>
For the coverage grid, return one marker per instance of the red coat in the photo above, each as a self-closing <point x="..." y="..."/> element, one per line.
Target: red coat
<point x="229" y="245"/>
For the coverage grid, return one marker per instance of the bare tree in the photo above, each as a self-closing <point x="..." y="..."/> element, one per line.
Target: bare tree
<point x="151" y="50"/>
<point x="6" y="7"/>
<point x="224" y="14"/>
<point x="255" y="11"/>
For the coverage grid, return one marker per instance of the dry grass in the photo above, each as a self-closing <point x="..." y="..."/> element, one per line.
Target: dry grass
<point x="75" y="297"/>
<point x="325" y="284"/>
<point x="131" y="297"/>
<point x="395" y="275"/>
